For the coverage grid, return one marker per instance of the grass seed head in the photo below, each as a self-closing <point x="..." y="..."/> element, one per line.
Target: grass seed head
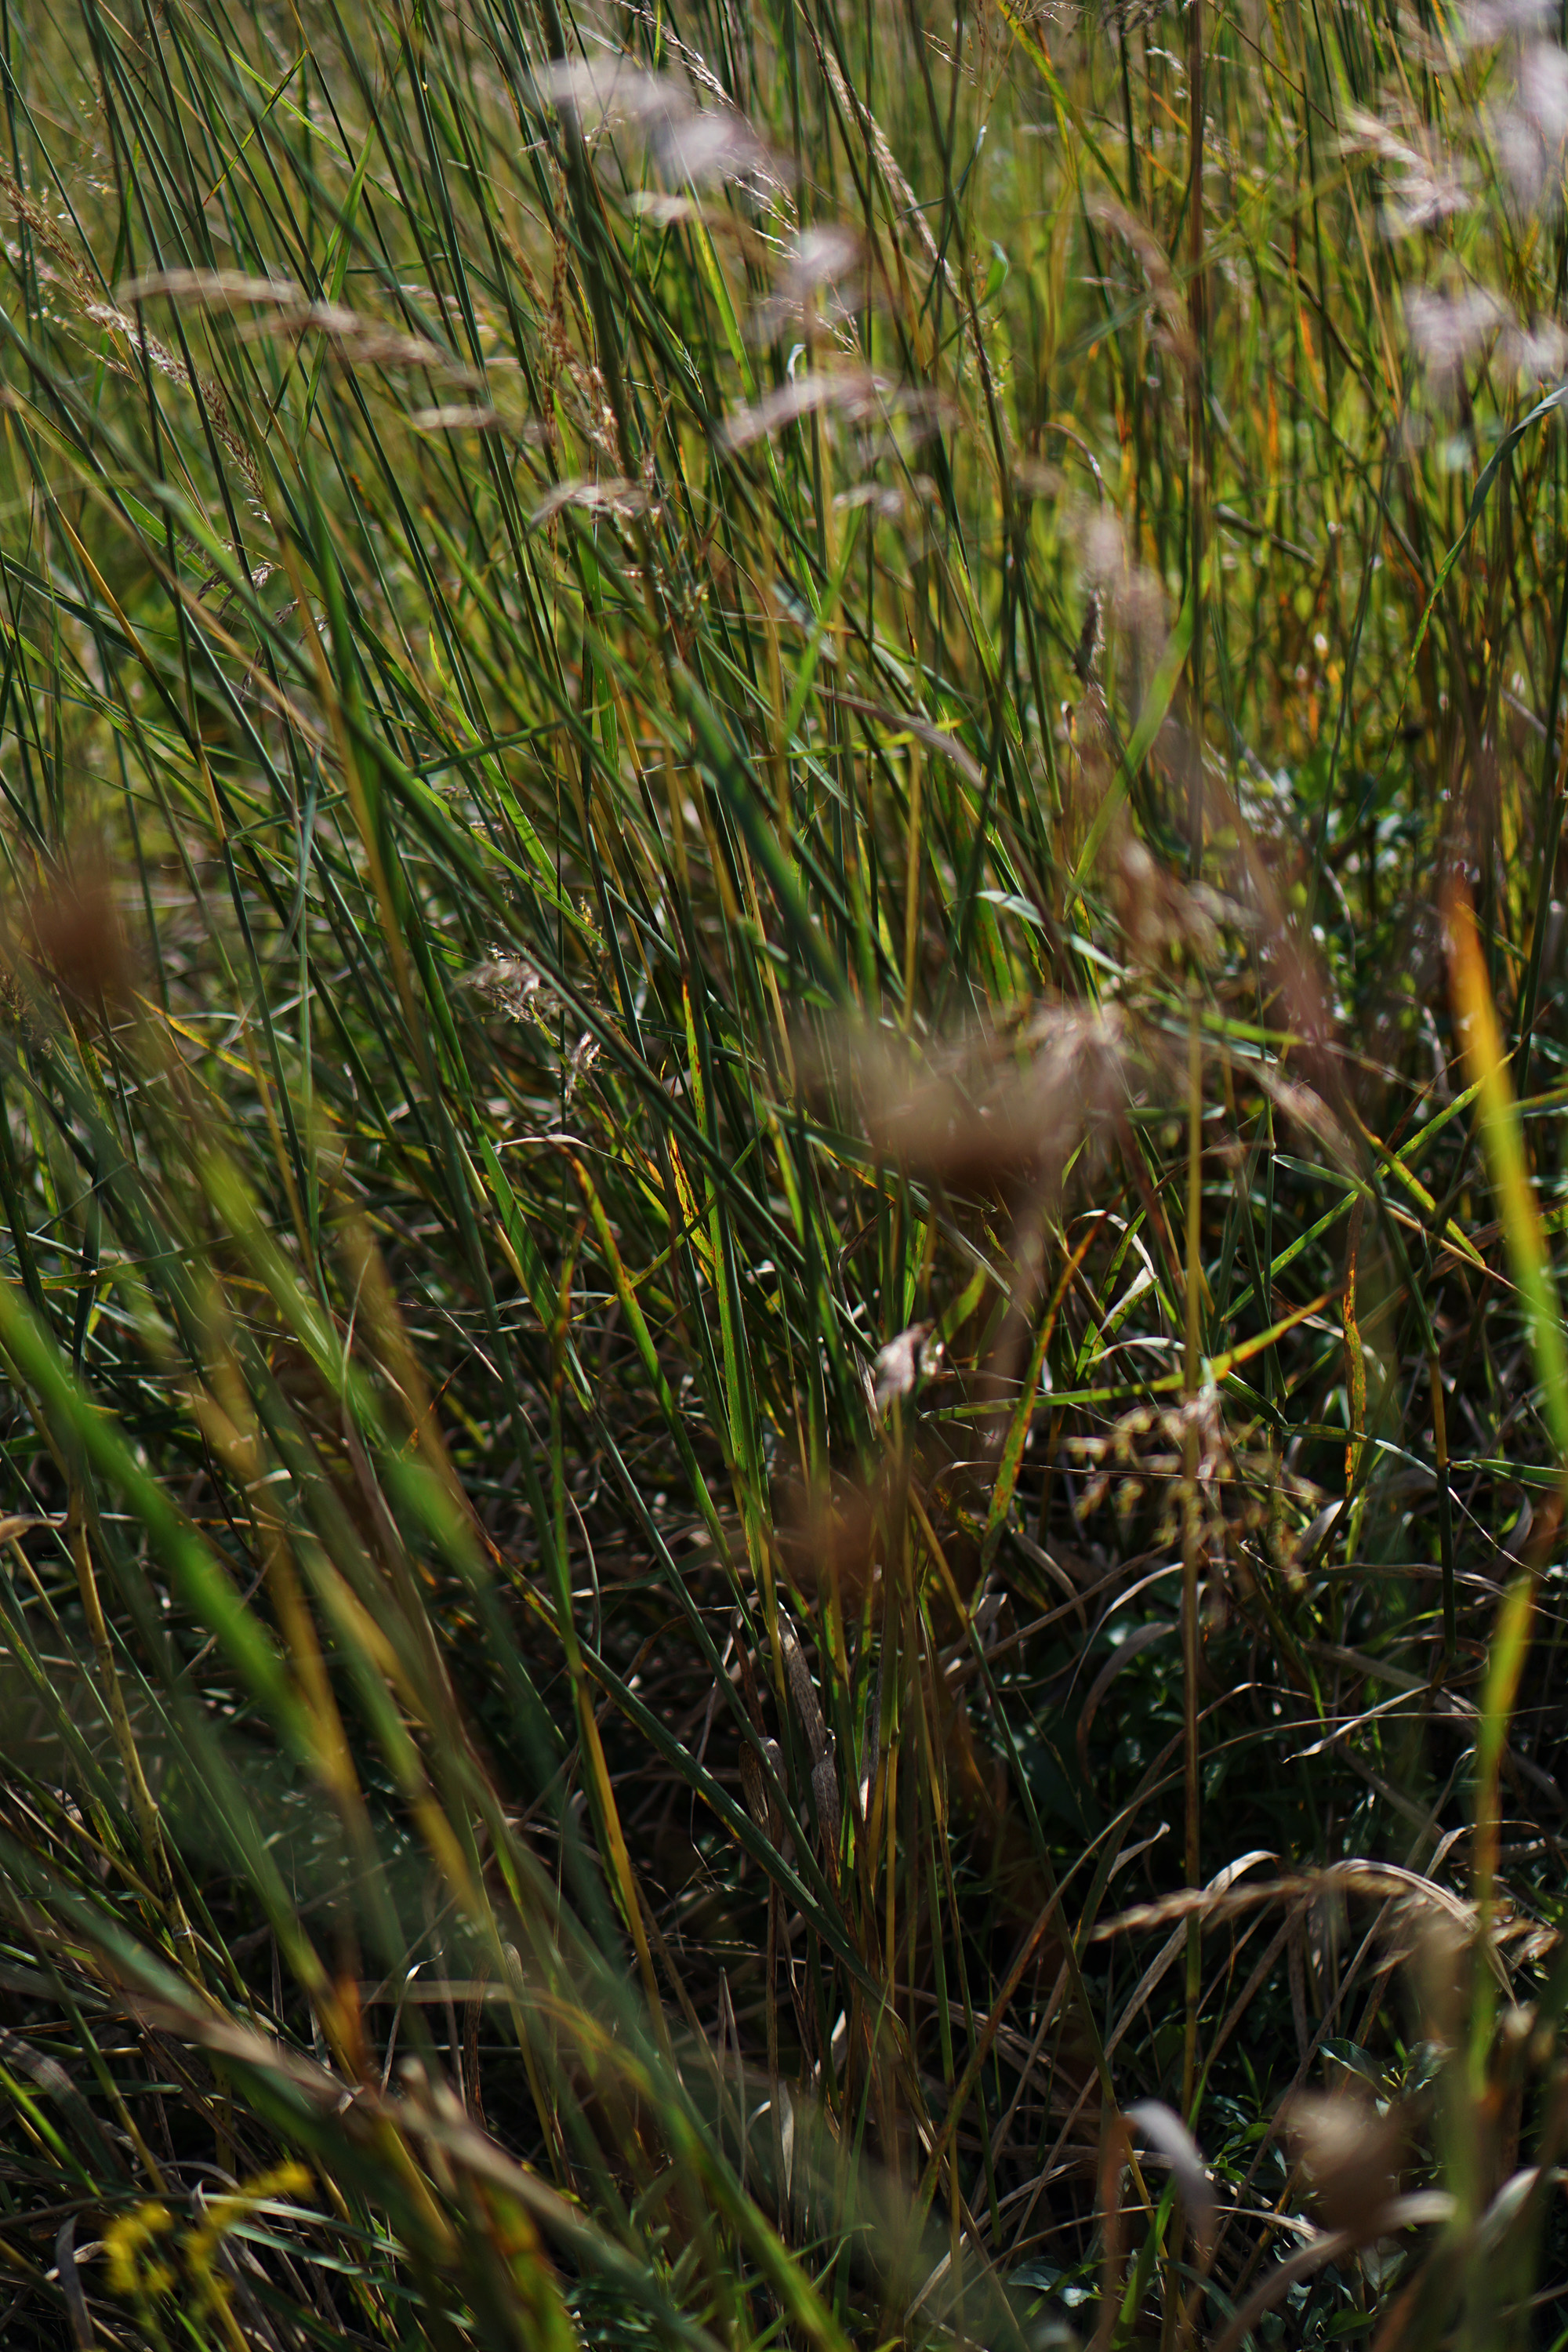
<point x="1351" y="2154"/>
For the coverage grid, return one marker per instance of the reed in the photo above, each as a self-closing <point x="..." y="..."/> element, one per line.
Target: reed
<point x="782" y="1037"/>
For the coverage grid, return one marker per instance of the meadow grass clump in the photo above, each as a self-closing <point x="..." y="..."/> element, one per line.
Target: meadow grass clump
<point x="782" y="1046"/>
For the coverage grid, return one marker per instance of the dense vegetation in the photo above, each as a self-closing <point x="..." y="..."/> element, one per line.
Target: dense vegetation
<point x="782" y="1040"/>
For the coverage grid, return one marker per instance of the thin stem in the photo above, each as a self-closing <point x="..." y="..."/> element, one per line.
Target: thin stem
<point x="1197" y="438"/>
<point x="1190" y="1537"/>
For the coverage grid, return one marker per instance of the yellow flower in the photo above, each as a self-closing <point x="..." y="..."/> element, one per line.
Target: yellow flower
<point x="125" y="2242"/>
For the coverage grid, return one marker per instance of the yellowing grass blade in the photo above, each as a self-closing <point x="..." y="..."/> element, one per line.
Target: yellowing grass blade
<point x="1504" y="1149"/>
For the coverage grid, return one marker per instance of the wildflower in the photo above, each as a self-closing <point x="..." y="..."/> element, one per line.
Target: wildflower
<point x="126" y="2244"/>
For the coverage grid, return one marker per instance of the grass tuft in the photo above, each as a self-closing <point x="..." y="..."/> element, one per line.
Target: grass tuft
<point x="782" y="1035"/>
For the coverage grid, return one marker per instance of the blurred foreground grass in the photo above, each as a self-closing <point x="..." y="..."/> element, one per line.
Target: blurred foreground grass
<point x="782" y="1046"/>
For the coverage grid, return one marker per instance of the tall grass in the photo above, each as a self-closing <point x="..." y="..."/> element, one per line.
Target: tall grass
<point x="783" y="1038"/>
